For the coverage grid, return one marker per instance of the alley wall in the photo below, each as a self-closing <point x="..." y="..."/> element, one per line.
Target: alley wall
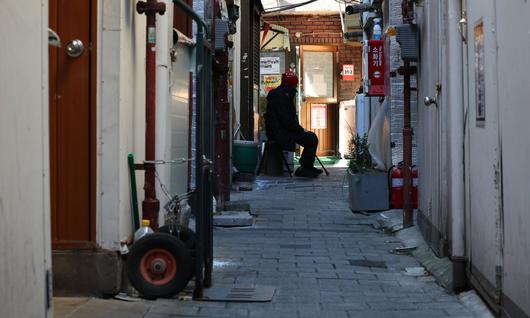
<point x="473" y="140"/>
<point x="25" y="259"/>
<point x="121" y="119"/>
<point x="513" y="49"/>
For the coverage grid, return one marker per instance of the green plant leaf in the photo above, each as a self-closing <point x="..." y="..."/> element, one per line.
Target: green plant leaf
<point x="360" y="158"/>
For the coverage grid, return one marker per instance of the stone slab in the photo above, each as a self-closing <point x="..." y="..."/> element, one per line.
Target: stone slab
<point x="237" y="206"/>
<point x="233" y="218"/>
<point x="86" y="273"/>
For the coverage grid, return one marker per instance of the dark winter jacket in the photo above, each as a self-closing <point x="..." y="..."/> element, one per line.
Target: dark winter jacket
<point x="281" y="121"/>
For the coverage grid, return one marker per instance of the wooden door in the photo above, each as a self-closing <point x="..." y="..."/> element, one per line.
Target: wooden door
<point x="72" y="123"/>
<point x="322" y="120"/>
<point x="319" y="109"/>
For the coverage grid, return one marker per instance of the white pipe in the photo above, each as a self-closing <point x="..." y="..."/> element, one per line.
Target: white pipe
<point x="341" y="17"/>
<point x="456" y="128"/>
<point x="164" y="34"/>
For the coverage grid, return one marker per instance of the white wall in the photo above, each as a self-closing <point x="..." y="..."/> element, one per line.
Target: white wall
<point x="121" y="109"/>
<point x="514" y="67"/>
<point x="121" y="119"/>
<point x="431" y="147"/>
<point x="24" y="167"/>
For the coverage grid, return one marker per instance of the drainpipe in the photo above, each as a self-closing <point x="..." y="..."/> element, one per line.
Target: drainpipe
<point x="163" y="102"/>
<point x="222" y="138"/>
<point x="150" y="205"/>
<point x="407" y="70"/>
<point x="456" y="141"/>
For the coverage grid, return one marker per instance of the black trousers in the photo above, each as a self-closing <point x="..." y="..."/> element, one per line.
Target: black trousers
<point x="309" y="141"/>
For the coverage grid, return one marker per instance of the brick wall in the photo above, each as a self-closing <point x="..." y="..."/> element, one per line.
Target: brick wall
<point x="324" y="30"/>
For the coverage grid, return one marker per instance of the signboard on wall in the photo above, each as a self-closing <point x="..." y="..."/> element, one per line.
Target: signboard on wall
<point x="348" y="73"/>
<point x="270" y="82"/>
<point x="269" y="65"/>
<point x="480" y="80"/>
<point x="318" y="116"/>
<point x="375" y="60"/>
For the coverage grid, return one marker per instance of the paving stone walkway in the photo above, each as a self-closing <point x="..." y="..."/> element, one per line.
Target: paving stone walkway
<point x="324" y="261"/>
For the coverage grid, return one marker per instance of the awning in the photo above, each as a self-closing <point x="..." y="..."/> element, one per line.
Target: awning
<point x="274" y="38"/>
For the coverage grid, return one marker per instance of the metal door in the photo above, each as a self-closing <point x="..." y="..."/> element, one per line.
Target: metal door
<point x="482" y="150"/>
<point x="72" y="123"/>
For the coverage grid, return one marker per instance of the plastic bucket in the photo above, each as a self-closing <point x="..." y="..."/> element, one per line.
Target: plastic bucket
<point x="245" y="155"/>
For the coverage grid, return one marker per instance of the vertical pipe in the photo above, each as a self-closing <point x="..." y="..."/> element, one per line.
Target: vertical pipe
<point x="150" y="205"/>
<point x="163" y="101"/>
<point x="407" y="149"/>
<point x="456" y="131"/>
<point x="199" y="190"/>
<point x="222" y="130"/>
<point x="209" y="137"/>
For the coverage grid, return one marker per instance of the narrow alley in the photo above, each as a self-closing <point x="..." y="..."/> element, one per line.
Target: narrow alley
<point x="323" y="260"/>
<point x="167" y="158"/>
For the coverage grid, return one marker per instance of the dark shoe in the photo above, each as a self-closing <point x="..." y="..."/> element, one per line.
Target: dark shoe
<point x="305" y="172"/>
<point x="316" y="170"/>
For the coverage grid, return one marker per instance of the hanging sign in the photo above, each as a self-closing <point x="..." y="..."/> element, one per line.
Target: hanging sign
<point x="375" y="60"/>
<point x="348" y="73"/>
<point x="269" y="65"/>
<point x="318" y="116"/>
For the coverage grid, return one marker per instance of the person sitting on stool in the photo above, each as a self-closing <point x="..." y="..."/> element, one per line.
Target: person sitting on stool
<point x="282" y="126"/>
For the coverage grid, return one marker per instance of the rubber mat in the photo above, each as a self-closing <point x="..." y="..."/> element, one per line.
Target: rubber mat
<point x="239" y="294"/>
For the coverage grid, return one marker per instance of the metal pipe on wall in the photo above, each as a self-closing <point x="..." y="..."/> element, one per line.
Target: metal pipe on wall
<point x="150" y="204"/>
<point x="455" y="132"/>
<point x="407" y="148"/>
<point x="163" y="67"/>
<point x="407" y="70"/>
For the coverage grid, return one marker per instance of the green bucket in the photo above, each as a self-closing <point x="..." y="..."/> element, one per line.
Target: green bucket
<point x="245" y="155"/>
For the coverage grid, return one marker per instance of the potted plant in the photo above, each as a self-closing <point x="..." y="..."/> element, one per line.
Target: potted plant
<point x="368" y="188"/>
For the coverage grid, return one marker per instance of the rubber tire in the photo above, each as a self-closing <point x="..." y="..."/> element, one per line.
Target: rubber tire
<point x="186" y="235"/>
<point x="159" y="241"/>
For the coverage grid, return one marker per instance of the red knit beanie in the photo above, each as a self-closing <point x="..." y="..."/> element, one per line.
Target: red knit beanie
<point x="289" y="79"/>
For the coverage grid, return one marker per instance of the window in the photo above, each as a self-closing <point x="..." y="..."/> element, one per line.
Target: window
<point x="318" y="74"/>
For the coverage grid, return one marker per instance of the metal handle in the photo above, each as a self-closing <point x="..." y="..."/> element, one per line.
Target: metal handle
<point x="428" y="101"/>
<point x="75" y="48"/>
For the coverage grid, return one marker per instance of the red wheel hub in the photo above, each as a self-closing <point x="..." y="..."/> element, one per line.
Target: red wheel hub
<point x="158" y="266"/>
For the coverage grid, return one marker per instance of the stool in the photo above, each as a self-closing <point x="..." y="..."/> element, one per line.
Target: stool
<point x="270" y="146"/>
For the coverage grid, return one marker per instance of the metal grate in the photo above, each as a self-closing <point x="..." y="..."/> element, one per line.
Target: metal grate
<point x="240" y="294"/>
<point x="367" y="263"/>
<point x="296" y="246"/>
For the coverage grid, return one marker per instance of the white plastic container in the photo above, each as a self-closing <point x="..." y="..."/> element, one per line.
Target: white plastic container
<point x="143" y="230"/>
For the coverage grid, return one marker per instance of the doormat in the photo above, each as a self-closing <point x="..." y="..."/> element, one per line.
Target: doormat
<point x="239" y="294"/>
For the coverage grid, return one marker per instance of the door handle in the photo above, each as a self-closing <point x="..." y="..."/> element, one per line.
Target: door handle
<point x="75" y="48"/>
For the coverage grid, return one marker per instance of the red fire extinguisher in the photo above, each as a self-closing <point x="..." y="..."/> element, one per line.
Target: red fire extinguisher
<point x="396" y="193"/>
<point x="414" y="196"/>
